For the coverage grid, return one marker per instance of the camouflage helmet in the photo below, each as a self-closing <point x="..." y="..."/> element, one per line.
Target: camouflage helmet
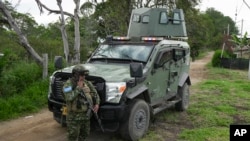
<point x="80" y="70"/>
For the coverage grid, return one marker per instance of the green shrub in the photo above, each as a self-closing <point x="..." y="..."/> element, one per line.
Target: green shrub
<point x="30" y="100"/>
<point x="18" y="77"/>
<point x="7" y="60"/>
<point x="216" y="60"/>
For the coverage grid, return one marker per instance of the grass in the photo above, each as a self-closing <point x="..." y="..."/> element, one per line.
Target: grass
<point x="218" y="101"/>
<point x="31" y="100"/>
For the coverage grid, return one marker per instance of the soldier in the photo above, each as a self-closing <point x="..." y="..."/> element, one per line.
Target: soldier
<point x="78" y="121"/>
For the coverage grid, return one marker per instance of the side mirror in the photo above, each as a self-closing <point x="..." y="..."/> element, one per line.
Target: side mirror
<point x="136" y="69"/>
<point x="89" y="54"/>
<point x="58" y="62"/>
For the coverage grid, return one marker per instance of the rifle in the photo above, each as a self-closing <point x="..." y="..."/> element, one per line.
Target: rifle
<point x="90" y="105"/>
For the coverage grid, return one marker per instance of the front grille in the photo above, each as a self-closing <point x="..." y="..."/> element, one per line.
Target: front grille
<point x="57" y="89"/>
<point x="61" y="78"/>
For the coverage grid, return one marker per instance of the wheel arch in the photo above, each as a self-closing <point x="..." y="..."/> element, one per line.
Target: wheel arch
<point x="185" y="78"/>
<point x="140" y="93"/>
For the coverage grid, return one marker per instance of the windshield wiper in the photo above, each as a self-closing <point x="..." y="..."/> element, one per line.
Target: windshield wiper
<point x="102" y="55"/>
<point x="128" y="57"/>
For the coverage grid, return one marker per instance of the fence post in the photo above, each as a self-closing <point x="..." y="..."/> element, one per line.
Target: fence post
<point x="249" y="70"/>
<point x="45" y="65"/>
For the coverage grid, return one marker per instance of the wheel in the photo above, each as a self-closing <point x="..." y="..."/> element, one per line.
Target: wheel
<point x="183" y="92"/>
<point x="137" y="121"/>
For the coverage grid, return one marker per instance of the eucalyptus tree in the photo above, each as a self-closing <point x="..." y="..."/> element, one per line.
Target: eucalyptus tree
<point x="76" y="51"/>
<point x="14" y="24"/>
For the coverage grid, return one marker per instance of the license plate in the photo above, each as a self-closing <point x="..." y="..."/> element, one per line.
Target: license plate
<point x="64" y="110"/>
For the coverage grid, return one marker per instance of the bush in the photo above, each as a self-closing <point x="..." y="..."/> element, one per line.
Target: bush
<point x="33" y="98"/>
<point x="216" y="60"/>
<point x="22" y="89"/>
<point x="18" y="77"/>
<point x="7" y="60"/>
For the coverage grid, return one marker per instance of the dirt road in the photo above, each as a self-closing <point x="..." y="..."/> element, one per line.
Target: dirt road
<point x="42" y="127"/>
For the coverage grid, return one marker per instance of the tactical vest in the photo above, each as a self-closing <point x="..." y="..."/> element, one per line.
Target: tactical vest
<point x="79" y="104"/>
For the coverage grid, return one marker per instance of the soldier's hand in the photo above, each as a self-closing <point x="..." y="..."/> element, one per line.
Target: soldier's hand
<point x="96" y="108"/>
<point x="80" y="84"/>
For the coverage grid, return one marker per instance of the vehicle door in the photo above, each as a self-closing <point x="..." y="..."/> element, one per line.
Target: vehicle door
<point x="158" y="80"/>
<point x="175" y="70"/>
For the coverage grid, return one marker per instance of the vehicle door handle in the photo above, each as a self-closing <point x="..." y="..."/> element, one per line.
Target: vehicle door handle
<point x="174" y="73"/>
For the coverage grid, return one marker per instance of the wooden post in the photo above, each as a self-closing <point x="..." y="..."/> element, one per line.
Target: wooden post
<point x="249" y="70"/>
<point x="45" y="65"/>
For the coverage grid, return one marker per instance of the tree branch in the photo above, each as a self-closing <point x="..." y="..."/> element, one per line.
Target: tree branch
<point x="41" y="6"/>
<point x="22" y="38"/>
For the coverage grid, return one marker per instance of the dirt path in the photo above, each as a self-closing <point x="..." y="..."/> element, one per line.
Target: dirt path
<point x="42" y="127"/>
<point x="198" y="70"/>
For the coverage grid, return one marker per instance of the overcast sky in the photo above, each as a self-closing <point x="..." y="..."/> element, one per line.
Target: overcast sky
<point x="227" y="7"/>
<point x="231" y="8"/>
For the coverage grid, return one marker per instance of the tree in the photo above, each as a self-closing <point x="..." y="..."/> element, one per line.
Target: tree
<point x="219" y="24"/>
<point x="113" y="18"/>
<point x="241" y="42"/>
<point x="75" y="16"/>
<point x="6" y="16"/>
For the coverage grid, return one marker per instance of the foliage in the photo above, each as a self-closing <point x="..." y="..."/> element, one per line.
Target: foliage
<point x="241" y="42"/>
<point x="217" y="57"/>
<point x="113" y="18"/>
<point x="18" y="76"/>
<point x="22" y="89"/>
<point x="217" y="25"/>
<point x="31" y="99"/>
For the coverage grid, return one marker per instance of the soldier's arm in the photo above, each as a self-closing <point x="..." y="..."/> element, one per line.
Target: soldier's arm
<point x="94" y="93"/>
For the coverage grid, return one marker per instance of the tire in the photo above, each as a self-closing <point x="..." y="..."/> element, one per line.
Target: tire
<point x="183" y="92"/>
<point x="137" y="121"/>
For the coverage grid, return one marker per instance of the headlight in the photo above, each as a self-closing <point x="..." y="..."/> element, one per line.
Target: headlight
<point x="114" y="91"/>
<point x="51" y="79"/>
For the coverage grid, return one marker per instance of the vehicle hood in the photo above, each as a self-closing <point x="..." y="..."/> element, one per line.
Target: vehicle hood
<point x="109" y="72"/>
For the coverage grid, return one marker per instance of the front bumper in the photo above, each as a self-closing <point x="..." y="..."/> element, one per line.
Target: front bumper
<point x="56" y="108"/>
<point x="110" y="115"/>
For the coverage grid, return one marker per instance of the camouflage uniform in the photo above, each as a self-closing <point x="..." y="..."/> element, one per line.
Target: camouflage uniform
<point x="78" y="122"/>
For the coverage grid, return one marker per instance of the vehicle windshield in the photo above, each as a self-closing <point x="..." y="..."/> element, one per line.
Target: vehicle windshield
<point x="125" y="51"/>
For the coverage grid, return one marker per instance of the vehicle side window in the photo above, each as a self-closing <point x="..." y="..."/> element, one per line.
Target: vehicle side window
<point x="145" y="19"/>
<point x="166" y="56"/>
<point x="179" y="54"/>
<point x="136" y="18"/>
<point x="163" y="18"/>
<point x="177" y="18"/>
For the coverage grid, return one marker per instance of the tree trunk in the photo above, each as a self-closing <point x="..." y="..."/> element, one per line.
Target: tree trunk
<point x="45" y="65"/>
<point x="77" y="33"/>
<point x="22" y="38"/>
<point x="64" y="33"/>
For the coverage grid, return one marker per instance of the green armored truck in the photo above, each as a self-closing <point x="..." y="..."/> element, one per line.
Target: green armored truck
<point x="136" y="76"/>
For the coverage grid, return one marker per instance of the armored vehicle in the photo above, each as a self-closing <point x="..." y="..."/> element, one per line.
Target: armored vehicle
<point x="136" y="76"/>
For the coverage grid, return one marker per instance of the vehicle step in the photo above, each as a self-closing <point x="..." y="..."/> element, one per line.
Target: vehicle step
<point x="164" y="106"/>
